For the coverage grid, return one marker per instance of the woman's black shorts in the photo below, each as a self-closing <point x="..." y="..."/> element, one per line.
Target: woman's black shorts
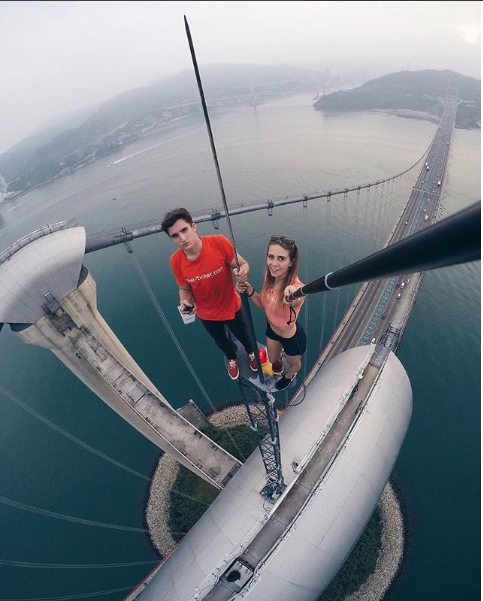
<point x="292" y="346"/>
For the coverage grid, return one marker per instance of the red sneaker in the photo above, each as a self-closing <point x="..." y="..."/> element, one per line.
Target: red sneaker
<point x="252" y="362"/>
<point x="233" y="370"/>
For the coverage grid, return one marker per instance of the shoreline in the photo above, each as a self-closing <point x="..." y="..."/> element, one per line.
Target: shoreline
<point x="156" y="513"/>
<point x="160" y="129"/>
<point x="410" y="114"/>
<point x="390" y="557"/>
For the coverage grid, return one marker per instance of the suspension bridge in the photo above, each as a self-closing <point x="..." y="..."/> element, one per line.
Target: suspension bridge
<point x="59" y="319"/>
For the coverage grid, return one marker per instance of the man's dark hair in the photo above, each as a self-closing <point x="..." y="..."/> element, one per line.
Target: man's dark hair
<point x="172" y="217"/>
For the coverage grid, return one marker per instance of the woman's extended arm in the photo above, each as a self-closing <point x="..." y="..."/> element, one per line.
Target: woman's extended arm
<point x="290" y="290"/>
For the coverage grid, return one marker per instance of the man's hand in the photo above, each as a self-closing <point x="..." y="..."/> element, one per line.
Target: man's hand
<point x="241" y="271"/>
<point x="241" y="274"/>
<point x="187" y="307"/>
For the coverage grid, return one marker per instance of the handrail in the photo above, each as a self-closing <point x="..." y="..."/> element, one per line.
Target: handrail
<point x="35" y="235"/>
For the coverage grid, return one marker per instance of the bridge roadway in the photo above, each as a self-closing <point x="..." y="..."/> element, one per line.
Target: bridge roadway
<point x="380" y="302"/>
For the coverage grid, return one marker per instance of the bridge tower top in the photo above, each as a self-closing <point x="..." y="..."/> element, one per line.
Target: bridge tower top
<point x="46" y="262"/>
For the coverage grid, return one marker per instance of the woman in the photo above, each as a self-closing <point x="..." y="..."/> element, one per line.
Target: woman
<point x="284" y="333"/>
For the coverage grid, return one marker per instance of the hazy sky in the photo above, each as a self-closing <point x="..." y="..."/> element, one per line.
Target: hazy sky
<point x="59" y="56"/>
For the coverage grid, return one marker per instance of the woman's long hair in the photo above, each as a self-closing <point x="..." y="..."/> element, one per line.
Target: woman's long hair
<point x="292" y="272"/>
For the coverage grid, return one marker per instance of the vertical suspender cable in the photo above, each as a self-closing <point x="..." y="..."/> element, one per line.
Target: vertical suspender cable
<point x="344" y="234"/>
<point x="324" y="301"/>
<point x="244" y="297"/>
<point x="306" y="277"/>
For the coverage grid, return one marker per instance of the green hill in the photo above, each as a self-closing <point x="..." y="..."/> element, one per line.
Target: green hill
<point x="140" y="112"/>
<point x="422" y="91"/>
<point x="219" y="81"/>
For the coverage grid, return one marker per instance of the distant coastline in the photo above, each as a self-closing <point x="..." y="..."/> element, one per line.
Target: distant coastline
<point x="88" y="160"/>
<point x="422" y="116"/>
<point x="409" y="114"/>
<point x="154" y="128"/>
<point x="137" y="114"/>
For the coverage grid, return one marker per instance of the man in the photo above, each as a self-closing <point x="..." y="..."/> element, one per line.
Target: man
<point x="202" y="268"/>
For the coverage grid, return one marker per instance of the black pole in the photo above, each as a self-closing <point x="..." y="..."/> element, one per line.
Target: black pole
<point x="244" y="298"/>
<point x="210" y="133"/>
<point x="454" y="240"/>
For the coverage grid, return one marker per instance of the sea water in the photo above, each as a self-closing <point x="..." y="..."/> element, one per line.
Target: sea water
<point x="277" y="150"/>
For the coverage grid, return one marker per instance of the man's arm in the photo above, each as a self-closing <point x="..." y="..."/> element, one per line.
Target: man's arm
<point x="241" y="274"/>
<point x="186" y="299"/>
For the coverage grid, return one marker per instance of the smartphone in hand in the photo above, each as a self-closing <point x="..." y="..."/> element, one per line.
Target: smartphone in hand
<point x="188" y="313"/>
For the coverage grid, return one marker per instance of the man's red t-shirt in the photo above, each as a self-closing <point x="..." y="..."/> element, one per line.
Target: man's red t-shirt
<point x="210" y="278"/>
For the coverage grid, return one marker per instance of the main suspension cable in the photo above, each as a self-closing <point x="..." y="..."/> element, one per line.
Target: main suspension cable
<point x="68" y="518"/>
<point x="73" y="566"/>
<point x="78" y="596"/>
<point x="71" y="437"/>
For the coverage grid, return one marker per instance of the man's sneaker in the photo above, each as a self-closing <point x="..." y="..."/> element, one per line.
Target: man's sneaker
<point x="233" y="370"/>
<point x="252" y="362"/>
<point x="284" y="382"/>
<point x="277" y="368"/>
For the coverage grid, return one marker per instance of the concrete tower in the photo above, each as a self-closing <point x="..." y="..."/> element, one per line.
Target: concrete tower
<point x="49" y="299"/>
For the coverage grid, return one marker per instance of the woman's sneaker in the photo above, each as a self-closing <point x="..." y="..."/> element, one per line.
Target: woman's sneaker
<point x="277" y="368"/>
<point x="233" y="370"/>
<point x="284" y="382"/>
<point x="252" y="362"/>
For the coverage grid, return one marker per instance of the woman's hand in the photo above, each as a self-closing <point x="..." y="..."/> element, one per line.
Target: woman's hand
<point x="290" y="290"/>
<point x="241" y="287"/>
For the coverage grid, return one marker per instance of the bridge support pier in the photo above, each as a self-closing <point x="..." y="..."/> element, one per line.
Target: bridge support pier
<point x="63" y="317"/>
